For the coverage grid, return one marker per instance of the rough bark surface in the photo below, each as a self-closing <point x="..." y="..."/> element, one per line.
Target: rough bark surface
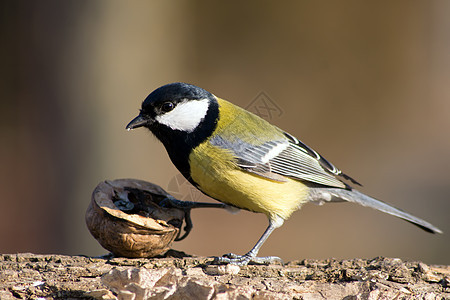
<point x="30" y="276"/>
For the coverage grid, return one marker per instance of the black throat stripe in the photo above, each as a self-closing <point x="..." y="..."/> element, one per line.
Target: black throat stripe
<point x="179" y="144"/>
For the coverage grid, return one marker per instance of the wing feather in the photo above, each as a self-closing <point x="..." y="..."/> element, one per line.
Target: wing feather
<point x="286" y="157"/>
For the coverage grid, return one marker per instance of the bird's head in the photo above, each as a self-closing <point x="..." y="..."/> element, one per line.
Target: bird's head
<point x="177" y="109"/>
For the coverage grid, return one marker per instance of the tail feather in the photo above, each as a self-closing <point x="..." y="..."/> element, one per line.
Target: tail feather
<point x="360" y="198"/>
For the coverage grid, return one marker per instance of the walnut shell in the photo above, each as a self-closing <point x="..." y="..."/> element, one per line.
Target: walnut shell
<point x="125" y="218"/>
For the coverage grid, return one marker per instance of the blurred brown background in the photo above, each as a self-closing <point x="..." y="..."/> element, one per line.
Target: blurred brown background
<point x="364" y="83"/>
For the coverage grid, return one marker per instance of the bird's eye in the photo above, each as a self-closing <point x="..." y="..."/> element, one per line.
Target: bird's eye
<point x="167" y="106"/>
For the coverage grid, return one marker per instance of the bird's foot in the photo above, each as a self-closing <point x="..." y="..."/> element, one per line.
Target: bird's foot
<point x="243" y="260"/>
<point x="172" y="202"/>
<point x="186" y="206"/>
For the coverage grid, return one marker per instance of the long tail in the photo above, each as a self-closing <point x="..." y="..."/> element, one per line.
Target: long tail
<point x="318" y="194"/>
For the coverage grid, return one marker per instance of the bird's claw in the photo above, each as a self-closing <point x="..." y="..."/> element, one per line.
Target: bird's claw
<point x="242" y="260"/>
<point x="171" y="202"/>
<point x="186" y="206"/>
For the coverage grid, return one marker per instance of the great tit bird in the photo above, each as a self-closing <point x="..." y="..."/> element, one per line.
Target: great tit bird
<point x="242" y="160"/>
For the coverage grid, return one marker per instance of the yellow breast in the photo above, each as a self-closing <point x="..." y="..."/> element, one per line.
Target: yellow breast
<point x="215" y="171"/>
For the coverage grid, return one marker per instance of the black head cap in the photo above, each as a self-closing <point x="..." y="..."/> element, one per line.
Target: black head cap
<point x="175" y="93"/>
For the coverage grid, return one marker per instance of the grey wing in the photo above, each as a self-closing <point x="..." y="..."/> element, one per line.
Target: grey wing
<point x="284" y="157"/>
<point x="325" y="164"/>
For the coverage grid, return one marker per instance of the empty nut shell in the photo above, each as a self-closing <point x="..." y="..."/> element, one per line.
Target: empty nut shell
<point x="124" y="216"/>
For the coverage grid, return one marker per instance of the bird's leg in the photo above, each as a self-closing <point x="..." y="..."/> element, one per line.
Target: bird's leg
<point x="170" y="201"/>
<point x="251" y="257"/>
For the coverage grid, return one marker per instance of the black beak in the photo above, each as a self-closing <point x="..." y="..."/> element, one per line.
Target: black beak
<point x="137" y="122"/>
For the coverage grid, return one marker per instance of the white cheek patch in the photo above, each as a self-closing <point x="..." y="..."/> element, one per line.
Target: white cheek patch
<point x="185" y="116"/>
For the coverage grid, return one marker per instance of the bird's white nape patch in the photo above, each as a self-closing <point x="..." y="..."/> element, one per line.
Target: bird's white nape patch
<point x="186" y="116"/>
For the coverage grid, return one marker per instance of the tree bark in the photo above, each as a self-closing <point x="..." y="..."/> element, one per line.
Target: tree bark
<point x="31" y="276"/>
